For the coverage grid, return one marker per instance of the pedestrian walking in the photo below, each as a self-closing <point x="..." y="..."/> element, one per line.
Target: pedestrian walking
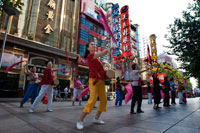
<point x="137" y="89"/>
<point x="173" y="90"/>
<point x="33" y="86"/>
<point x="47" y="84"/>
<point x="119" y="94"/>
<point x="77" y="90"/>
<point x="96" y="85"/>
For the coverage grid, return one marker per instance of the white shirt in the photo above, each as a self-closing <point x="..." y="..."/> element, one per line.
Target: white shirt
<point x="135" y="77"/>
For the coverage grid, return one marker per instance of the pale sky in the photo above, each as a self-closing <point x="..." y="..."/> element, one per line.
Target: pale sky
<point x="154" y="16"/>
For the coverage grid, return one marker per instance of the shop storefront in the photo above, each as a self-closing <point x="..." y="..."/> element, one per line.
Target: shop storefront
<point x="15" y="82"/>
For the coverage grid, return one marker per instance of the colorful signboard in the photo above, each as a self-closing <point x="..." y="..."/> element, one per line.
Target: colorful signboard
<point x="115" y="30"/>
<point x="153" y="52"/>
<point x="125" y="34"/>
<point x="66" y="72"/>
<point x="161" y="77"/>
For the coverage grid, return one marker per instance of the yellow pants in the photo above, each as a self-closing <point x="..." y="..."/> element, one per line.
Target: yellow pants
<point x="96" y="90"/>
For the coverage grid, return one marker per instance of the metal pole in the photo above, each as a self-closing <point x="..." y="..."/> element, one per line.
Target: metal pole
<point x="4" y="41"/>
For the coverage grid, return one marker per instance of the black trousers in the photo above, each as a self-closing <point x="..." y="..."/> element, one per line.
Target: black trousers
<point x="173" y="96"/>
<point x="166" y="98"/>
<point x="137" y="96"/>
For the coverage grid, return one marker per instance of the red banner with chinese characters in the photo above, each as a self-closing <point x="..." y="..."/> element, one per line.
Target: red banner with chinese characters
<point x="161" y="77"/>
<point x="125" y="33"/>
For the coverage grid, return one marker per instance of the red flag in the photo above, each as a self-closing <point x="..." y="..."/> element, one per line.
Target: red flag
<point x="68" y="72"/>
<point x="10" y="67"/>
<point x="104" y="21"/>
<point x="148" y="55"/>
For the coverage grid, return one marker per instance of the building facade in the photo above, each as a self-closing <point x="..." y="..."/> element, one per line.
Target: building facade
<point x="90" y="29"/>
<point x="41" y="33"/>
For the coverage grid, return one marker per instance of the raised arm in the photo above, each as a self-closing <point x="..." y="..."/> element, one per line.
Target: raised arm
<point x="106" y="51"/>
<point x="139" y="72"/>
<point x="27" y="70"/>
<point x="58" y="69"/>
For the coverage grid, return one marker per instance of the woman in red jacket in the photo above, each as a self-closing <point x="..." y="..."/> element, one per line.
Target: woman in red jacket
<point x="46" y="87"/>
<point x="96" y="85"/>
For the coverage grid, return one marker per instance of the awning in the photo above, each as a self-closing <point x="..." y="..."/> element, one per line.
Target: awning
<point x="37" y="45"/>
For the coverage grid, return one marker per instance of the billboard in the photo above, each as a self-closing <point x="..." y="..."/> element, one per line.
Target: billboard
<point x="115" y="30"/>
<point x="125" y="33"/>
<point x="153" y="52"/>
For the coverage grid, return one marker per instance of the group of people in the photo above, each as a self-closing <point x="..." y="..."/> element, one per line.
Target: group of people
<point x="97" y="77"/>
<point x="155" y="90"/>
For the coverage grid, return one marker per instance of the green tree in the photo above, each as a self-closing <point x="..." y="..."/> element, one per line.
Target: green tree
<point x="184" y="38"/>
<point x="14" y="3"/>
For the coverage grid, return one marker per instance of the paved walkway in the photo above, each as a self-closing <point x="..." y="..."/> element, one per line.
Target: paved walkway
<point x="173" y="119"/>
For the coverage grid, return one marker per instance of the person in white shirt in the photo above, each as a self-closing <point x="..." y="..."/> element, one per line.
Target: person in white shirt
<point x="137" y="89"/>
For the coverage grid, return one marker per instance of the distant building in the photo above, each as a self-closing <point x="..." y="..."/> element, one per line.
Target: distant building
<point x="164" y="58"/>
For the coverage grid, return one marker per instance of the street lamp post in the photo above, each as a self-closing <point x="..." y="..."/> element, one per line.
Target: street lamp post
<point x="11" y="11"/>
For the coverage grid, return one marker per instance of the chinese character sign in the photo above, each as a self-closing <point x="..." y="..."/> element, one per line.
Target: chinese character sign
<point x="153" y="52"/>
<point x="50" y="16"/>
<point x="125" y="33"/>
<point x="115" y="30"/>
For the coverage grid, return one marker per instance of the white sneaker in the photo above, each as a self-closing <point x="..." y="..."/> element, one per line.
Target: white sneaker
<point x="79" y="125"/>
<point x="31" y="110"/>
<point x="49" y="110"/>
<point x="98" y="121"/>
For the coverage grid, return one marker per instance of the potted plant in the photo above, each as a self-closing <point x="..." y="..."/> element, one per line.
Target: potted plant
<point x="11" y="6"/>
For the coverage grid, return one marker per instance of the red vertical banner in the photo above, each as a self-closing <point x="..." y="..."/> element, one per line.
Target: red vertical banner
<point x="125" y="33"/>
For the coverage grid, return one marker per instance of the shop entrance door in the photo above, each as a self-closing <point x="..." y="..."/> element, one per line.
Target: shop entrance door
<point x="9" y="85"/>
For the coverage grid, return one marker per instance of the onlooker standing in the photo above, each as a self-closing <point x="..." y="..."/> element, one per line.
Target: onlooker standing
<point x="173" y="90"/>
<point x="137" y="89"/>
<point x="119" y="95"/>
<point x="77" y="90"/>
<point x="166" y="92"/>
<point x="149" y="89"/>
<point x="180" y="92"/>
<point x="156" y="91"/>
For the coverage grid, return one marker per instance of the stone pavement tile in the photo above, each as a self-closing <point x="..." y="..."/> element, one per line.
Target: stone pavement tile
<point x="178" y="129"/>
<point x="189" y="124"/>
<point x="107" y="127"/>
<point x="15" y="125"/>
<point x="132" y="130"/>
<point x="153" y="126"/>
<point x="163" y="120"/>
<point x="193" y="119"/>
<point x="85" y="130"/>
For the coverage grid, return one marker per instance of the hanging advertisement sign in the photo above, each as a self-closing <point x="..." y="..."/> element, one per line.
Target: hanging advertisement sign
<point x="153" y="52"/>
<point x="161" y="77"/>
<point x="9" y="59"/>
<point x="66" y="72"/>
<point x="115" y="30"/>
<point x="125" y="33"/>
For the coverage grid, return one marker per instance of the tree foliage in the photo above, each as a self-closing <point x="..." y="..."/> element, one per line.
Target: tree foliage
<point x="15" y="3"/>
<point x="184" y="38"/>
